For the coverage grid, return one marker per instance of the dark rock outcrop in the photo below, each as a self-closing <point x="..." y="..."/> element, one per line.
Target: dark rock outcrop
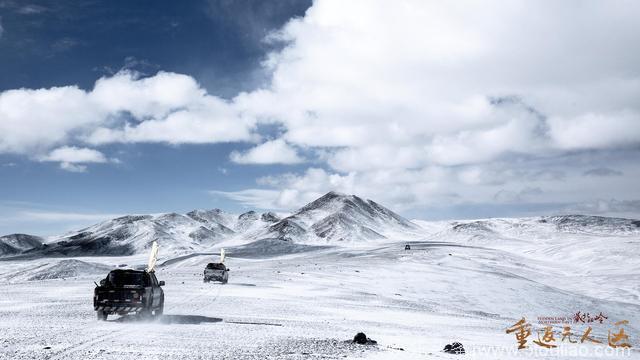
<point x="454" y="348"/>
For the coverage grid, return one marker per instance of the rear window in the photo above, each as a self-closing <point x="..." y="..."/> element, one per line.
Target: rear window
<point x="121" y="279"/>
<point x="214" y="266"/>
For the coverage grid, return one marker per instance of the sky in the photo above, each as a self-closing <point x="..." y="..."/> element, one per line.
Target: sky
<point x="437" y="110"/>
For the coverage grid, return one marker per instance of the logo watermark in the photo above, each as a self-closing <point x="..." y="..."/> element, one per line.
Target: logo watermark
<point x="560" y="351"/>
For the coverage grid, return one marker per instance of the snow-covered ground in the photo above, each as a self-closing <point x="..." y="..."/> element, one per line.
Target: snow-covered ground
<point x="465" y="282"/>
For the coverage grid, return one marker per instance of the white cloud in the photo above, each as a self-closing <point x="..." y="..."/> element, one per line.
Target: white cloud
<point x="596" y="131"/>
<point x="73" y="167"/>
<point x="151" y="97"/>
<point x="33" y="121"/>
<point x="410" y="103"/>
<point x="75" y="155"/>
<point x="271" y="152"/>
<point x="426" y="100"/>
<point x="72" y="158"/>
<point x="167" y="107"/>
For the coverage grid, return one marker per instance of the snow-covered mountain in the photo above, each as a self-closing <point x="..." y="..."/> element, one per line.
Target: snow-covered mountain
<point x="17" y="243"/>
<point x="333" y="219"/>
<point x="134" y="234"/>
<point x="339" y="218"/>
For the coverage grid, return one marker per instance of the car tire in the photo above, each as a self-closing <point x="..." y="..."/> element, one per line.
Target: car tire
<point x="102" y="315"/>
<point x="160" y="310"/>
<point x="145" y="314"/>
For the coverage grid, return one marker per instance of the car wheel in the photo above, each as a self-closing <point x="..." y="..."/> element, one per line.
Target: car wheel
<point x="145" y="314"/>
<point x="102" y="315"/>
<point x="160" y="310"/>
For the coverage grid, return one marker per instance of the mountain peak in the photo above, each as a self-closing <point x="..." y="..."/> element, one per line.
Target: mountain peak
<point x="329" y="199"/>
<point x="333" y="193"/>
<point x="337" y="216"/>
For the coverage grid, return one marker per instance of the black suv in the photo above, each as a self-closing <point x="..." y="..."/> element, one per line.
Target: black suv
<point x="128" y="291"/>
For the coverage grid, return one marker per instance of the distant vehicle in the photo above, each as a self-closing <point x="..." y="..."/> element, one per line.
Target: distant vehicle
<point x="126" y="291"/>
<point x="217" y="271"/>
<point x="407" y="247"/>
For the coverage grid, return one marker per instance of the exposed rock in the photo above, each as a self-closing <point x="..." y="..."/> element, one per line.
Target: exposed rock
<point x="340" y="227"/>
<point x="362" y="339"/>
<point x="270" y="217"/>
<point x="454" y="348"/>
<point x="593" y="224"/>
<point x="287" y="229"/>
<point x="213" y="216"/>
<point x="245" y="220"/>
<point x="481" y="227"/>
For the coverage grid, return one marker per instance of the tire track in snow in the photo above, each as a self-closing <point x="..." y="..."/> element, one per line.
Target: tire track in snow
<point x="86" y="343"/>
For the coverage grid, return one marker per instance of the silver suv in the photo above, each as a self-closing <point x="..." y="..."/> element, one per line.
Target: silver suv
<point x="216" y="272"/>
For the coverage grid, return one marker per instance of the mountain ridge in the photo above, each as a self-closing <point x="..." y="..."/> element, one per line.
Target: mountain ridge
<point x="331" y="219"/>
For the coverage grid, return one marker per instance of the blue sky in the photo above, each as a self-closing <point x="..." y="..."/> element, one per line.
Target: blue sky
<point x="58" y="43"/>
<point x="117" y="107"/>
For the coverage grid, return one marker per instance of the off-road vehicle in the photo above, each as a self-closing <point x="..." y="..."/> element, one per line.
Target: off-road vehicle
<point x="129" y="291"/>
<point x="126" y="291"/>
<point x="216" y="272"/>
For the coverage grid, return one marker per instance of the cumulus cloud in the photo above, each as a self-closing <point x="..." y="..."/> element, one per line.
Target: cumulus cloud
<point x="596" y="130"/>
<point x="410" y="103"/>
<point x="75" y="155"/>
<point x="271" y="152"/>
<point x="424" y="100"/>
<point x="426" y="80"/>
<point x="166" y="107"/>
<point x="71" y="158"/>
<point x="33" y="121"/>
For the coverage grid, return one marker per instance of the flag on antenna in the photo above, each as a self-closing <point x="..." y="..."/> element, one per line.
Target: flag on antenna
<point x="153" y="257"/>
